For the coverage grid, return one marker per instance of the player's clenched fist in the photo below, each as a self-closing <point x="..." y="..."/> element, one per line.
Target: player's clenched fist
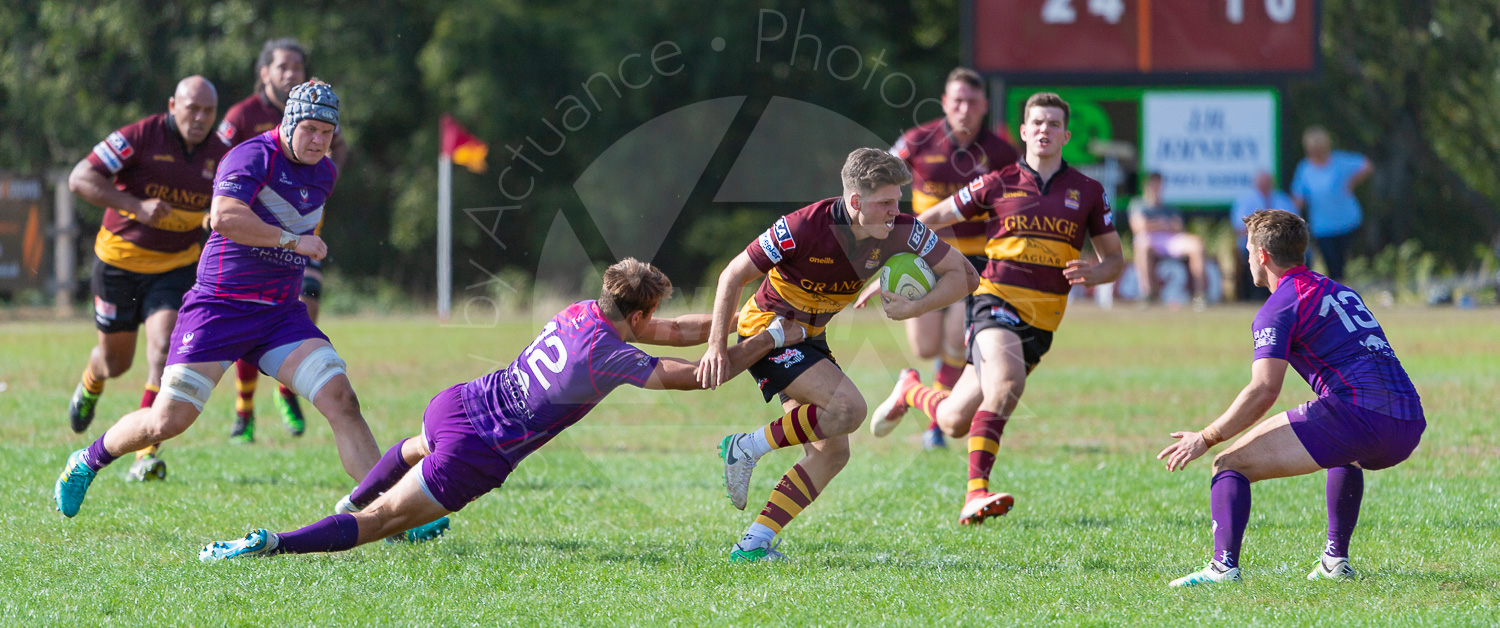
<point x="312" y="246"/>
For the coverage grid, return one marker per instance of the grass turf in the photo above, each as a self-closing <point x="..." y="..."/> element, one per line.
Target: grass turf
<point x="622" y="520"/>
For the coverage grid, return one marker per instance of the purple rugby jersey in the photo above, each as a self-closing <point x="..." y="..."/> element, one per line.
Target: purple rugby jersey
<point x="577" y="360"/>
<point x="282" y="193"/>
<point x="1324" y="330"/>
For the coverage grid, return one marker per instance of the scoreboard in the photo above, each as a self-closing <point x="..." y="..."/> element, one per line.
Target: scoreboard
<point x="1144" y="38"/>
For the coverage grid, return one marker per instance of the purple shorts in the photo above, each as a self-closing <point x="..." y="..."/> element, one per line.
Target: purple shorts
<point x="215" y="329"/>
<point x="1336" y="434"/>
<point x="461" y="466"/>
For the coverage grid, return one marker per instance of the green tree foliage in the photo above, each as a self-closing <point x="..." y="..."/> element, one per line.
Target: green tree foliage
<point x="1416" y="82"/>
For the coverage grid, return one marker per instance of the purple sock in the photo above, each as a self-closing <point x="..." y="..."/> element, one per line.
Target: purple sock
<point x="331" y="534"/>
<point x="1229" y="505"/>
<point x="381" y="478"/>
<point x="98" y="457"/>
<point x="1346" y="487"/>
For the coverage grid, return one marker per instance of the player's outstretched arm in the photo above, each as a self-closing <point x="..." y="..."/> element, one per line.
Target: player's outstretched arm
<point x="1111" y="262"/>
<point x="679" y="374"/>
<point x="942" y="214"/>
<point x="956" y="280"/>
<point x="1266" y="375"/>
<point x="682" y="331"/>
<point x="713" y="369"/>
<point x="234" y="219"/>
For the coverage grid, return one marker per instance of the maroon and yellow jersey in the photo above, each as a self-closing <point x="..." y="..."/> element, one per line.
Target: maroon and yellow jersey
<point x="940" y="167"/>
<point x="248" y="118"/>
<point x="815" y="268"/>
<point x="148" y="159"/>
<point x="1035" y="228"/>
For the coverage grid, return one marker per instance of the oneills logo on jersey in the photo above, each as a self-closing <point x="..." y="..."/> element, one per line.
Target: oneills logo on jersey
<point x="935" y="159"/>
<point x="783" y="235"/>
<point x="820" y="260"/>
<point x="122" y="147"/>
<point x="1072" y="199"/>
<point x="1014" y="194"/>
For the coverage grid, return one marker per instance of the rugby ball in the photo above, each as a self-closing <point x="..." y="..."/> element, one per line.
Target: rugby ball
<point x="907" y="275"/>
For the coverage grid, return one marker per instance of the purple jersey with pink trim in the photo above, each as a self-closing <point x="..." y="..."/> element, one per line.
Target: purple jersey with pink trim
<point x="577" y="360"/>
<point x="282" y="193"/>
<point x="1324" y="330"/>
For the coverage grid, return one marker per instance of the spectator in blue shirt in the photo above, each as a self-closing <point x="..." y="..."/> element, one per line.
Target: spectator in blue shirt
<point x="1263" y="195"/>
<point x="1323" y="188"/>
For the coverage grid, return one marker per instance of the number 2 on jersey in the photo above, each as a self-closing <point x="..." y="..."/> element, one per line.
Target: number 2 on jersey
<point x="536" y="354"/>
<point x="1348" y="298"/>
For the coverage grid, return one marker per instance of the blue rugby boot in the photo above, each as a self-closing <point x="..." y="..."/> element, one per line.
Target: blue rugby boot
<point x="259" y="542"/>
<point x="73" y="484"/>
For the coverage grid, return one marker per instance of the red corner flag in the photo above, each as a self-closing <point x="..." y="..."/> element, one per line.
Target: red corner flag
<point x="464" y="149"/>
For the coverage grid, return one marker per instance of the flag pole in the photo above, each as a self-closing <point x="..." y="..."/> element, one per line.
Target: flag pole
<point x="445" y="237"/>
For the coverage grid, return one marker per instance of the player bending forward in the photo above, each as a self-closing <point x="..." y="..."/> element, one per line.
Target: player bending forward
<point x="815" y="262"/>
<point x="268" y="196"/>
<point x="1367" y="414"/>
<point x="474" y="434"/>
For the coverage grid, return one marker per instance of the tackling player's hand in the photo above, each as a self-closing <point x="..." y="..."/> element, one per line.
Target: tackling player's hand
<point x="312" y="246"/>
<point x="897" y="307"/>
<point x="869" y="293"/>
<point x="1189" y="447"/>
<point x="1079" y="272"/>
<point x="713" y="367"/>
<point x="152" y="210"/>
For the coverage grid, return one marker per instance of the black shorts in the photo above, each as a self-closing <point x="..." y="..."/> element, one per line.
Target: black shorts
<point x="987" y="311"/>
<point x="312" y="279"/>
<point x="783" y="366"/>
<point x="979" y="262"/>
<point x="124" y="299"/>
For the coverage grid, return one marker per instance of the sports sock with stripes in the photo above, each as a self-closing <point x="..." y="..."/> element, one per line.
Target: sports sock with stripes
<point x="926" y="399"/>
<point x="148" y="396"/>
<point x="793" y="493"/>
<point x="948" y="372"/>
<point x="793" y="428"/>
<point x="984" y="444"/>
<point x="246" y="376"/>
<point x="93" y="386"/>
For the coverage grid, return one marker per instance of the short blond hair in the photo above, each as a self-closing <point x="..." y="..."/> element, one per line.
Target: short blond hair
<point x="632" y="286"/>
<point x="1281" y="233"/>
<point x="869" y="168"/>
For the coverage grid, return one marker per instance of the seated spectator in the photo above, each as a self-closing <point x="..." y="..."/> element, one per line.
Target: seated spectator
<point x="1263" y="195"/>
<point x="1157" y="233"/>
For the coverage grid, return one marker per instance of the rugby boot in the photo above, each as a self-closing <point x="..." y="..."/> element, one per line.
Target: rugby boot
<point x="933" y="438"/>
<point x="756" y="550"/>
<point x="259" y="542"/>
<point x="1213" y="573"/>
<point x="147" y="468"/>
<point x="291" y="414"/>
<point x="1330" y="568"/>
<point x="81" y="409"/>
<point x="244" y="428"/>
<point x="425" y="532"/>
<point x="73" y="484"/>
<point x="738" y="467"/>
<point x="983" y="505"/>
<point x="888" y="414"/>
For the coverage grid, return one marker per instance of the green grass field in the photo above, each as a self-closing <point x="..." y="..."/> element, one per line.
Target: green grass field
<point x="623" y="520"/>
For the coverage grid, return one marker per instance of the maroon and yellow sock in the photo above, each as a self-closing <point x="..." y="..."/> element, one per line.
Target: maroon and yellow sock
<point x="793" y="493"/>
<point x="948" y="372"/>
<point x="926" y="399"/>
<point x="794" y="428"/>
<point x="148" y="396"/>
<point x="246" y="376"/>
<point x="984" y="444"/>
<point x="149" y="451"/>
<point x="94" y="386"/>
<point x="286" y="393"/>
